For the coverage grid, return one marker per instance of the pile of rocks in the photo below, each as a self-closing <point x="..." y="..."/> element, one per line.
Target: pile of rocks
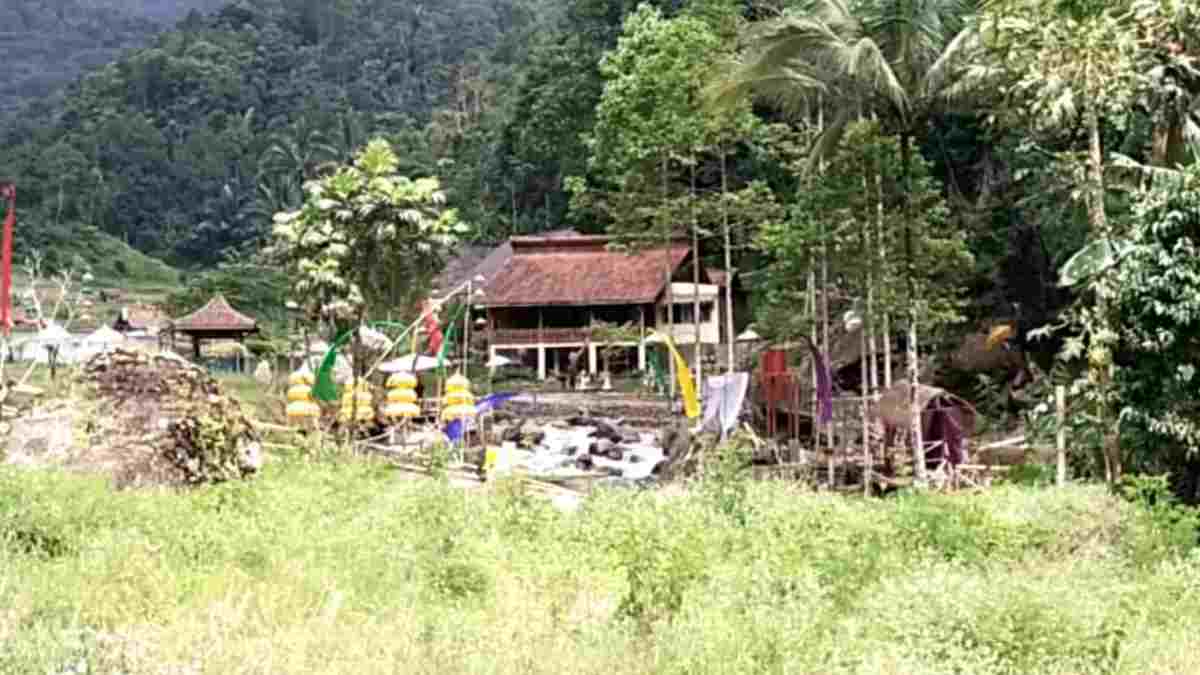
<point x="168" y="420"/>
<point x="581" y="443"/>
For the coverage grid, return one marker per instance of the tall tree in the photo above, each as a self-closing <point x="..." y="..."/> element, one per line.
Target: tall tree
<point x="1068" y="64"/>
<point x="343" y="246"/>
<point x="649" y="129"/>
<point x="900" y="59"/>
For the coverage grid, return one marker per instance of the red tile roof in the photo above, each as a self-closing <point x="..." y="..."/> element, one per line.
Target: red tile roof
<point x="579" y="271"/>
<point x="484" y="261"/>
<point x="216" y="315"/>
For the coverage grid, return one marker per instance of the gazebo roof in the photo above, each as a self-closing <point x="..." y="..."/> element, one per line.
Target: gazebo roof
<point x="216" y="316"/>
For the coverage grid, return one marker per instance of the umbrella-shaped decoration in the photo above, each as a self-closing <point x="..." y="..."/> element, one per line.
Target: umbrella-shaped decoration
<point x="300" y="402"/>
<point x="402" y="396"/>
<point x="458" y="403"/>
<point x="410" y="363"/>
<point x="356" y="403"/>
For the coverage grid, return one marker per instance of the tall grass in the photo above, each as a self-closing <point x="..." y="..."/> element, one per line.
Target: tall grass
<point x="349" y="568"/>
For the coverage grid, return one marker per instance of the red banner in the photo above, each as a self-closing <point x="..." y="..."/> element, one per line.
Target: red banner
<point x="432" y="329"/>
<point x="10" y="221"/>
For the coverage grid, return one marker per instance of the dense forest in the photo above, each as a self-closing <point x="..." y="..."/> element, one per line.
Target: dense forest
<point x="184" y="148"/>
<point x="927" y="166"/>
<point x="47" y="43"/>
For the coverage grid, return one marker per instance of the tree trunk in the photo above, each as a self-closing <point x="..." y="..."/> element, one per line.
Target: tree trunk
<point x="866" y="424"/>
<point x="886" y="328"/>
<point x="825" y="342"/>
<point x="914" y="369"/>
<point x="866" y="352"/>
<point x="1100" y="357"/>
<point x="871" y="375"/>
<point x="1167" y="146"/>
<point x="813" y="335"/>
<point x="729" y="328"/>
<point x="698" y="346"/>
<point x="670" y="294"/>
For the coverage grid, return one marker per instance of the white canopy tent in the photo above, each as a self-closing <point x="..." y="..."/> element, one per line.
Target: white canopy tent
<point x="102" y="340"/>
<point x="37" y="348"/>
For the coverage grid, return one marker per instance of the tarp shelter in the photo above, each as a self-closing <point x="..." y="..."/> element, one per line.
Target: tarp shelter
<point x="947" y="421"/>
<point x="98" y="342"/>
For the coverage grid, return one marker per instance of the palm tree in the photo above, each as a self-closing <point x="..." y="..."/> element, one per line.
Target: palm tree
<point x="300" y="151"/>
<point x="897" y="59"/>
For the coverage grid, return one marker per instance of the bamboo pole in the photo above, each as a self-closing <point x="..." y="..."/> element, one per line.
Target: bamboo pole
<point x="812" y="308"/>
<point x="865" y="370"/>
<point x="698" y="347"/>
<point x="886" y="337"/>
<point x="670" y="293"/>
<point x="729" y="336"/>
<point x="825" y="342"/>
<point x="1060" y="400"/>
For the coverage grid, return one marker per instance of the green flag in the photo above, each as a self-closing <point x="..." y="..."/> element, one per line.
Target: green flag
<point x="449" y="340"/>
<point x="326" y="389"/>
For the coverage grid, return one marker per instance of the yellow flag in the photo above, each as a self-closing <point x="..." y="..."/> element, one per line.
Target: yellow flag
<point x="691" y="404"/>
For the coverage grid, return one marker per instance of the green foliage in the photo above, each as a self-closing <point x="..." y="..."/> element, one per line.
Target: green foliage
<point x="1158" y="280"/>
<point x="210" y="446"/>
<point x="52" y="41"/>
<point x="829" y="216"/>
<point x="348" y="568"/>
<point x="1059" y="66"/>
<point x="653" y="133"/>
<point x="186" y="147"/>
<point x="365" y="237"/>
<point x="1031" y="475"/>
<point x="256" y="289"/>
<point x="724" y="473"/>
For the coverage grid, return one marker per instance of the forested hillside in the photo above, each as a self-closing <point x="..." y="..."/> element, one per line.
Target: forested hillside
<point x="185" y="148"/>
<point x="45" y="44"/>
<point x="920" y="166"/>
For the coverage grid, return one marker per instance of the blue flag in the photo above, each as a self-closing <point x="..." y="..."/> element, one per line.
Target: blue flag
<point x="454" y="430"/>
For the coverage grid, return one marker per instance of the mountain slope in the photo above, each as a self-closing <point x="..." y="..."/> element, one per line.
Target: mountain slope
<point x="44" y="44"/>
<point x="185" y="147"/>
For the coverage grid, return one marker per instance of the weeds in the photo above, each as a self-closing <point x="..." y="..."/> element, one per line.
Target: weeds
<point x="339" y="566"/>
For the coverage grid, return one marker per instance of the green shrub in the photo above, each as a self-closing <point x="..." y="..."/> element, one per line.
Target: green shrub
<point x="339" y="565"/>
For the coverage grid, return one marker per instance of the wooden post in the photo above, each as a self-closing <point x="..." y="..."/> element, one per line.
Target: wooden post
<point x="641" y="348"/>
<point x="1060" y="400"/>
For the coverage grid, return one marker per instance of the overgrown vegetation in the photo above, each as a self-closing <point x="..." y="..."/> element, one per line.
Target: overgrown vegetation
<point x="345" y="567"/>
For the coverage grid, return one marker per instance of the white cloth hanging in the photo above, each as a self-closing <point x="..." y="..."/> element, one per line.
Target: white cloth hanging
<point x="724" y="396"/>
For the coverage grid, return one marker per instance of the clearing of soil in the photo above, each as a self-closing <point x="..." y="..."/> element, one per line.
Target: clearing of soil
<point x="144" y="420"/>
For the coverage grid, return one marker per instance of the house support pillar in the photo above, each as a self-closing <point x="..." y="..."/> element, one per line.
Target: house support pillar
<point x="591" y="358"/>
<point x="642" y="340"/>
<point x="541" y="361"/>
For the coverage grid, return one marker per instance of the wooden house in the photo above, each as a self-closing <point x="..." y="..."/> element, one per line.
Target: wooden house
<point x="544" y="302"/>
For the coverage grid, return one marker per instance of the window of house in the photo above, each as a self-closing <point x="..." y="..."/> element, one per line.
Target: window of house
<point x="683" y="313"/>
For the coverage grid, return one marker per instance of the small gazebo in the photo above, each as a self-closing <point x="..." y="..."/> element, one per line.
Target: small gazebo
<point x="214" y="321"/>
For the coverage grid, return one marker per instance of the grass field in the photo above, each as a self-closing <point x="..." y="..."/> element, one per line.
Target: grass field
<point x="344" y="567"/>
